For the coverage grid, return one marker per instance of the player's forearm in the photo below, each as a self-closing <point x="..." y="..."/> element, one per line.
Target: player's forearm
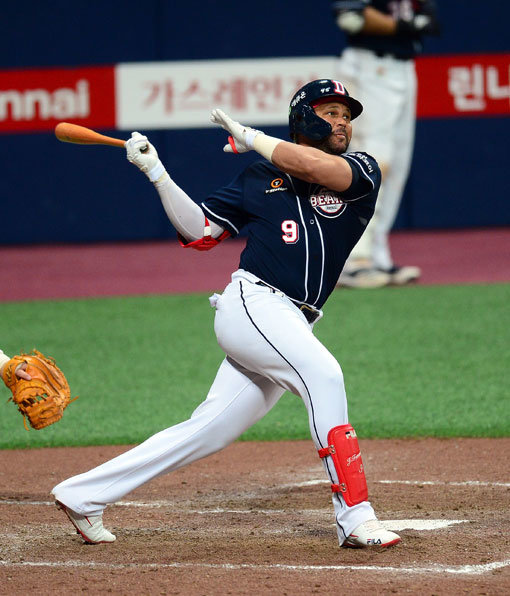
<point x="3" y="360"/>
<point x="424" y="22"/>
<point x="378" y="23"/>
<point x="302" y="161"/>
<point x="185" y="215"/>
<point x="312" y="165"/>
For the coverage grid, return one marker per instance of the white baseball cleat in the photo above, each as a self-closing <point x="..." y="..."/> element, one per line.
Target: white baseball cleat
<point x="89" y="527"/>
<point x="364" y="278"/>
<point x="371" y="533"/>
<point x="400" y="276"/>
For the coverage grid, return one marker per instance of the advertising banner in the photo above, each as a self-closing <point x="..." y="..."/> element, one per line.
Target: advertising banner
<point x="466" y="85"/>
<point x="166" y="95"/>
<point x="182" y="94"/>
<point x="32" y="100"/>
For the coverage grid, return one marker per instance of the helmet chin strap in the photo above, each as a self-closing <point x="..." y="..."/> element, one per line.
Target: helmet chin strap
<point x="305" y="121"/>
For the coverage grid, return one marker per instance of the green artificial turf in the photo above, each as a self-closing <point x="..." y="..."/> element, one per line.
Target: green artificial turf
<point x="418" y="361"/>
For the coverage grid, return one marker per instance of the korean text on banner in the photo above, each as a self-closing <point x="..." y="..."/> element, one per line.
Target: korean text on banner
<point x="464" y="85"/>
<point x="182" y="94"/>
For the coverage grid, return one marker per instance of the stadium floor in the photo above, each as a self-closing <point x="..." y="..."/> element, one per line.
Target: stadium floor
<point x="83" y="270"/>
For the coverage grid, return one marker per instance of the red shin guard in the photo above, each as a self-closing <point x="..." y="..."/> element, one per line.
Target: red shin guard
<point x="344" y="450"/>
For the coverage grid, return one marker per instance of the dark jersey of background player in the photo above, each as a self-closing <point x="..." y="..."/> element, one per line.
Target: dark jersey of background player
<point x="404" y="44"/>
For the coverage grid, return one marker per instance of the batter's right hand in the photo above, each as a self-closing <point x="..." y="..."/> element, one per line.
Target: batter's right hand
<point x="144" y="155"/>
<point x="242" y="137"/>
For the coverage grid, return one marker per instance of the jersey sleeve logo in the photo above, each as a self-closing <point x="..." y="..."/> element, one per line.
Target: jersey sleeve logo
<point x="276" y="184"/>
<point x="327" y="202"/>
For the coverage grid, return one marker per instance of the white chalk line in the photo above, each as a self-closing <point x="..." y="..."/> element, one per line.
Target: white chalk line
<point x="314" y="482"/>
<point x="399" y="524"/>
<point x="414" y="524"/>
<point x="454" y="570"/>
<point x="446" y="483"/>
<point x="392" y="524"/>
<point x="409" y="482"/>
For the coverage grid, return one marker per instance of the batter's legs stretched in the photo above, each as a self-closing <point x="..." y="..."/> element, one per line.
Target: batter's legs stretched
<point x="278" y="342"/>
<point x="236" y="400"/>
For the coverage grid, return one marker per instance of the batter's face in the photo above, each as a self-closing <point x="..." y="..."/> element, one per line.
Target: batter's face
<point x="339" y="116"/>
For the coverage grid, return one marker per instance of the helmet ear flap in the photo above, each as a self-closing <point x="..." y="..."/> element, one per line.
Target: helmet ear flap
<point x="305" y="121"/>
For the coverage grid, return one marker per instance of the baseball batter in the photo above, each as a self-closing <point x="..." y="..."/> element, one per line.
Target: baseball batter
<point x="305" y="205"/>
<point x="383" y="37"/>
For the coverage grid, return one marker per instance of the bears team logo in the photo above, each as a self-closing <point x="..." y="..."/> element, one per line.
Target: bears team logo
<point x="327" y="202"/>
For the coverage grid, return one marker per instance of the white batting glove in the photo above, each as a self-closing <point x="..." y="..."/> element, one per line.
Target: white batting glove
<point x="144" y="155"/>
<point x="242" y="137"/>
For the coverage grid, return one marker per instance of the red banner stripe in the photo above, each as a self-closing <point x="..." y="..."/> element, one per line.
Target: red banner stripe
<point x="463" y="85"/>
<point x="38" y="99"/>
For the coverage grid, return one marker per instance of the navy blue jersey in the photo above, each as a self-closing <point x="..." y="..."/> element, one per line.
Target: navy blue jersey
<point x="401" y="46"/>
<point x="299" y="233"/>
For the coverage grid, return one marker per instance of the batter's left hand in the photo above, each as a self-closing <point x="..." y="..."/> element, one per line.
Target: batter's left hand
<point x="144" y="155"/>
<point x="242" y="137"/>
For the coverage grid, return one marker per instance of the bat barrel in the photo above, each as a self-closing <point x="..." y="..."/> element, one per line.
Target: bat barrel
<point x="74" y="133"/>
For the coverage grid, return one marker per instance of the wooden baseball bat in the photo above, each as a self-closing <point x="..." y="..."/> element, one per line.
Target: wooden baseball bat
<point x="74" y="133"/>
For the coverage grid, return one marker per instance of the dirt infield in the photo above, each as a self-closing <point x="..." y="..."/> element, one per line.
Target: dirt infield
<point x="256" y="518"/>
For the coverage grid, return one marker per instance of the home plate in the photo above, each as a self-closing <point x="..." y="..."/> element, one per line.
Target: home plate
<point x="420" y="524"/>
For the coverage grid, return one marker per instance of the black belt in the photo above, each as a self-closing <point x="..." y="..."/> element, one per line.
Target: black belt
<point x="311" y="313"/>
<point x="380" y="54"/>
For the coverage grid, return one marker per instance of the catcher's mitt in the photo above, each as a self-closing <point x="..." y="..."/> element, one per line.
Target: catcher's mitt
<point x="44" y="398"/>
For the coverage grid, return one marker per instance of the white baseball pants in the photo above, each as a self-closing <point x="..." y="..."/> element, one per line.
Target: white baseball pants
<point x="270" y="348"/>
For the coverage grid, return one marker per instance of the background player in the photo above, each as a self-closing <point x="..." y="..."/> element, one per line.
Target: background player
<point x="305" y="205"/>
<point x="383" y="37"/>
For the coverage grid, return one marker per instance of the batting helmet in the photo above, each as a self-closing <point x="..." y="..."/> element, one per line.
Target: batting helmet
<point x="303" y="119"/>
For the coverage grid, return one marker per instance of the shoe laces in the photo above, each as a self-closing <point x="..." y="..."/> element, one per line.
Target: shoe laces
<point x="373" y="524"/>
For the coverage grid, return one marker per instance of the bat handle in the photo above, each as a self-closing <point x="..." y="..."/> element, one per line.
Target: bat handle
<point x="144" y="149"/>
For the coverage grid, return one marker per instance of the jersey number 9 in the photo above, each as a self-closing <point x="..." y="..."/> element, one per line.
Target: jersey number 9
<point x="290" y="231"/>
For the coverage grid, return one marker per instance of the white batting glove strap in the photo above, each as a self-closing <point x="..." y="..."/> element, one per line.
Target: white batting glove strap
<point x="143" y="154"/>
<point x="156" y="172"/>
<point x="249" y="136"/>
<point x="243" y="136"/>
